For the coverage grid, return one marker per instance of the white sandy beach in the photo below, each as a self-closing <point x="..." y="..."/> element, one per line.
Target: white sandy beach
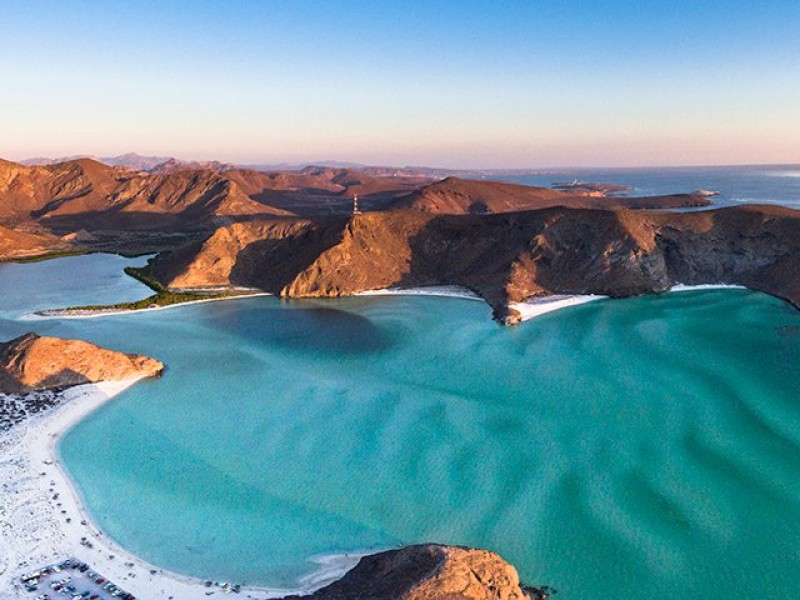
<point x="680" y="287"/>
<point x="449" y="291"/>
<point x="42" y="520"/>
<point x="541" y="305"/>
<point x="534" y="306"/>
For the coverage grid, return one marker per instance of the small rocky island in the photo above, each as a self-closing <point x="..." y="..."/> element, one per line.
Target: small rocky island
<point x="430" y="572"/>
<point x="31" y="363"/>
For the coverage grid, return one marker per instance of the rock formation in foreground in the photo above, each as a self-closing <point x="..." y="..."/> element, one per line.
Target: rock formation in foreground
<point x="32" y="363"/>
<point x="429" y="572"/>
<point x="505" y="258"/>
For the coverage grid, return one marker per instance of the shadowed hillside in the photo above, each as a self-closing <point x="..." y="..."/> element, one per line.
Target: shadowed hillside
<point x="505" y="257"/>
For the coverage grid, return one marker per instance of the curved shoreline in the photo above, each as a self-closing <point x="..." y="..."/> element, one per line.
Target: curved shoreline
<point x="530" y="308"/>
<point x="55" y="520"/>
<point x="34" y="442"/>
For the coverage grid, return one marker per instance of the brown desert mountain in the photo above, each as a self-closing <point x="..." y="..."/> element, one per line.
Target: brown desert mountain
<point x="505" y="258"/>
<point x="30" y="363"/>
<point x="137" y="211"/>
<point x="429" y="572"/>
<point x="86" y="194"/>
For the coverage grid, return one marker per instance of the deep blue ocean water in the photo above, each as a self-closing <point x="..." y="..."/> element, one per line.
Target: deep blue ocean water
<point x="736" y="185"/>
<point x="638" y="448"/>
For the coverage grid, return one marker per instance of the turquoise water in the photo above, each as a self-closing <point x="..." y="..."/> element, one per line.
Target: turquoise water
<point x="70" y="281"/>
<point x="629" y="449"/>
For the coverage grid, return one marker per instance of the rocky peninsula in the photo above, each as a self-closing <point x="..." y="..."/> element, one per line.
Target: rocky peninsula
<point x="31" y="363"/>
<point x="504" y="258"/>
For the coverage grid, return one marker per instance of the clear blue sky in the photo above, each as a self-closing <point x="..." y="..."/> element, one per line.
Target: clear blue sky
<point x="458" y="84"/>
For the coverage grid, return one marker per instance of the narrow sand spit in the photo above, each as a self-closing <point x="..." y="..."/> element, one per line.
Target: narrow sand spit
<point x="42" y="520"/>
<point x="63" y="313"/>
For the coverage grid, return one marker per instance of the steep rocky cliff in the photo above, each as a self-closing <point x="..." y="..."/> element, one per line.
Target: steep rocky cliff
<point x="504" y="257"/>
<point x="31" y="362"/>
<point x="429" y="572"/>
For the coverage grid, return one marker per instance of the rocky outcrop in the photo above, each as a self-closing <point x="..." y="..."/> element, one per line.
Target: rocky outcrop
<point x="31" y="363"/>
<point x="505" y="258"/>
<point x="457" y="196"/>
<point x="429" y="572"/>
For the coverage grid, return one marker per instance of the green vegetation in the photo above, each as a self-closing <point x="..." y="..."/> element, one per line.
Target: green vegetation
<point x="46" y="256"/>
<point x="162" y="297"/>
<point x="145" y="275"/>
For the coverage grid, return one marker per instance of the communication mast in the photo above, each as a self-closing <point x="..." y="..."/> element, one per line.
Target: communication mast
<point x="356" y="210"/>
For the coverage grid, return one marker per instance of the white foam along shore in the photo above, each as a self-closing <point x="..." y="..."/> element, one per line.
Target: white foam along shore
<point x="680" y="287"/>
<point x="43" y="521"/>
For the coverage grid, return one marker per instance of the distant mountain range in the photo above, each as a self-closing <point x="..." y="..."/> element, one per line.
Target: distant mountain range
<point x="136" y="162"/>
<point x="139" y="162"/>
<point x="165" y="164"/>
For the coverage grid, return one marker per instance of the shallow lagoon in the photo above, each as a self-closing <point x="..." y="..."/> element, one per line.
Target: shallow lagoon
<point x="627" y="449"/>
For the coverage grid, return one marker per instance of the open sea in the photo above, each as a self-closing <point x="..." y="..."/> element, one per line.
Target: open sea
<point x="766" y="184"/>
<point x="628" y="449"/>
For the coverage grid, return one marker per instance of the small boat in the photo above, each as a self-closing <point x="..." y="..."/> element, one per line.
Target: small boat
<point x="705" y="193"/>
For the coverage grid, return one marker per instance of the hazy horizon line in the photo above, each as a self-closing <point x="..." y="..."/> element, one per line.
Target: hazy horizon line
<point x="343" y="163"/>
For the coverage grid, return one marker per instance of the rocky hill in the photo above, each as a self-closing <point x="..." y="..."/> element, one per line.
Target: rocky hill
<point x="505" y="258"/>
<point x="315" y="191"/>
<point x="429" y="572"/>
<point x="468" y="196"/>
<point x="87" y="194"/>
<point x="127" y="210"/>
<point x="32" y="363"/>
<point x="17" y="243"/>
<point x="90" y="195"/>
